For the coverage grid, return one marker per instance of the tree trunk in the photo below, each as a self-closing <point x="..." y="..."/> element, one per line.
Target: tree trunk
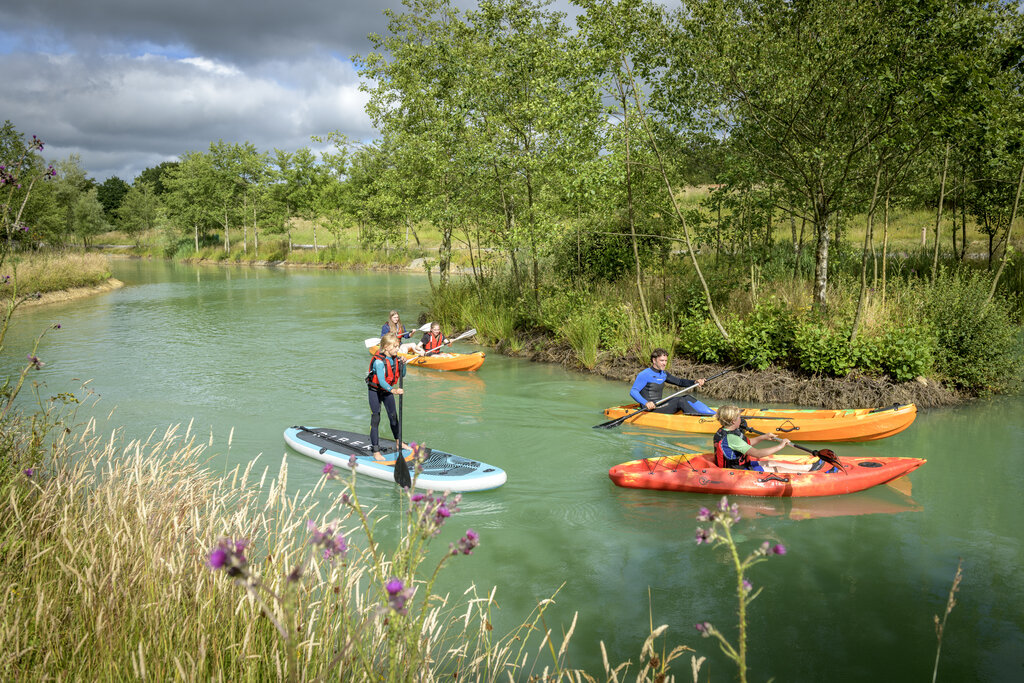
<point x="195" y="227"/>
<point x="938" y="215"/>
<point x="862" y="298"/>
<point x="885" y="246"/>
<point x="227" y="239"/>
<point x="821" y="257"/>
<point x="629" y="206"/>
<point x="1009" y="231"/>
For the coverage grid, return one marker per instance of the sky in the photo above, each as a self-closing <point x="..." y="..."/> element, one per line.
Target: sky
<point x="128" y="84"/>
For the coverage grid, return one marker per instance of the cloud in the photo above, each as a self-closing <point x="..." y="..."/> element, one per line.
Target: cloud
<point x="127" y="84"/>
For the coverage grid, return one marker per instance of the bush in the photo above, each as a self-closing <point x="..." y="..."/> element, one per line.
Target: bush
<point x="764" y="337"/>
<point x="903" y="352"/>
<point x="819" y="349"/>
<point x="700" y="339"/>
<point x="978" y="347"/>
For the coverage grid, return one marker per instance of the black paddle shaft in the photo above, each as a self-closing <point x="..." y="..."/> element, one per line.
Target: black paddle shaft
<point x="826" y="454"/>
<point x="619" y="420"/>
<point x="402" y="477"/>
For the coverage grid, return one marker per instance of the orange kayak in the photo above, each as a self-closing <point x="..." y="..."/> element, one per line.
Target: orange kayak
<point x="858" y="424"/>
<point x="443" y="361"/>
<point x="698" y="474"/>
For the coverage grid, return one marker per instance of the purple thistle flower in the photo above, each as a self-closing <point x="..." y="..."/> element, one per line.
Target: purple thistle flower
<point x="704" y="515"/>
<point x="703" y="536"/>
<point x="747" y="586"/>
<point x="328" y="469"/>
<point x="218" y="558"/>
<point x="34" y="361"/>
<point x="352" y="461"/>
<point x="398" y="595"/>
<point x="29" y="472"/>
<point x="417" y="497"/>
<point x="467" y="543"/>
<point x="778" y="549"/>
<point x="333" y="545"/>
<point x="56" y="326"/>
<point x="704" y="628"/>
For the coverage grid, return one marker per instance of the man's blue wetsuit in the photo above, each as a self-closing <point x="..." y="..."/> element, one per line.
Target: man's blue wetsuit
<point x="650" y="386"/>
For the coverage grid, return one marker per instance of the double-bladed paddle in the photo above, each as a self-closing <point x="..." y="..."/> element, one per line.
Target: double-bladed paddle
<point x="467" y="333"/>
<point x="825" y="454"/>
<point x="619" y="420"/>
<point x="375" y="341"/>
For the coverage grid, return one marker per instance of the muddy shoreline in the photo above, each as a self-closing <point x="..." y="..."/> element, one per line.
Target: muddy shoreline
<point x="773" y="385"/>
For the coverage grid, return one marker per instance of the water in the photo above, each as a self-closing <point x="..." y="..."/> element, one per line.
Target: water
<point x="258" y="349"/>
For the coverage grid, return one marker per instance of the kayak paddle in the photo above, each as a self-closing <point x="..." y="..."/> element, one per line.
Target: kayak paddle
<point x="467" y="333"/>
<point x="619" y="420"/>
<point x="825" y="454"/>
<point x="375" y="341"/>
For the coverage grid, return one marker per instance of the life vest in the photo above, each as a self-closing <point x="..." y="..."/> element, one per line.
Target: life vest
<point x="433" y="342"/>
<point x="725" y="456"/>
<point x="386" y="329"/>
<point x="391" y="371"/>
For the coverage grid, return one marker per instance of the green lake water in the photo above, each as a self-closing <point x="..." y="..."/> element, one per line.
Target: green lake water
<point x="260" y="349"/>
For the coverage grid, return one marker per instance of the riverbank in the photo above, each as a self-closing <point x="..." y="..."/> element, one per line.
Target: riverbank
<point x="769" y="386"/>
<point x="72" y="294"/>
<point x="773" y="385"/>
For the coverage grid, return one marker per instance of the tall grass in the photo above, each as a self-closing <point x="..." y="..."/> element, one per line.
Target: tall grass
<point x="106" y="575"/>
<point x="54" y="271"/>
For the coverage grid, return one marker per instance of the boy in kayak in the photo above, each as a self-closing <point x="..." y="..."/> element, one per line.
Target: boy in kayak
<point x="649" y="386"/>
<point x="382" y="383"/>
<point x="733" y="450"/>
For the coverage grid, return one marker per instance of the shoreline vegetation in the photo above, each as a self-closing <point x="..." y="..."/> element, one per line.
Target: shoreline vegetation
<point x="768" y="385"/>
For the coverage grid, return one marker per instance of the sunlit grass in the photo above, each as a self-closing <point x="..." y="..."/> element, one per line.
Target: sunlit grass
<point x="53" y="271"/>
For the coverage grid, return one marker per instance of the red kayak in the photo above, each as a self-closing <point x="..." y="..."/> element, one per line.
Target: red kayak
<point x="698" y="474"/>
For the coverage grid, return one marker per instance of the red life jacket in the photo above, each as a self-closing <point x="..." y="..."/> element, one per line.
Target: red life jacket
<point x="726" y="456"/>
<point x="433" y="342"/>
<point x="391" y="371"/>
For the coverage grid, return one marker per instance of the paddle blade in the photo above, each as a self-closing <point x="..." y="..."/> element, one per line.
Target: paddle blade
<point x="402" y="476"/>
<point x="829" y="456"/>
<point x="425" y="327"/>
<point x="371" y="342"/>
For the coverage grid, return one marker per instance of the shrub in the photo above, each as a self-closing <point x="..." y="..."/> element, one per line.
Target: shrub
<point x="978" y="347"/>
<point x="700" y="339"/>
<point x="819" y="349"/>
<point x="764" y="337"/>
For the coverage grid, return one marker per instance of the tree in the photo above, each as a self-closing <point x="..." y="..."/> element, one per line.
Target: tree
<point x="193" y="195"/>
<point x="88" y="216"/>
<point x="817" y="96"/>
<point x="154" y="175"/>
<point x="70" y="184"/>
<point x="139" y="210"/>
<point x="417" y="101"/>
<point x="110" y="194"/>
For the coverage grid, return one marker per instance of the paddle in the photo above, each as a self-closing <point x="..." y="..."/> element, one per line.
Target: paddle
<point x="825" y="454"/>
<point x="402" y="477"/>
<point x="467" y="333"/>
<point x="619" y="420"/>
<point x="375" y="341"/>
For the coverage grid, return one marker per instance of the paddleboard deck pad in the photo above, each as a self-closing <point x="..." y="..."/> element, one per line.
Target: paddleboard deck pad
<point x="441" y="471"/>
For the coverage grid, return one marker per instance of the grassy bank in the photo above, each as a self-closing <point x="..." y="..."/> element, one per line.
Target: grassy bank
<point x="112" y="568"/>
<point x="43" y="272"/>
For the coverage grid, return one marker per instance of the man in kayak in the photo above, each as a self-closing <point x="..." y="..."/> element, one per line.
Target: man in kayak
<point x="382" y="381"/>
<point x="649" y="386"/>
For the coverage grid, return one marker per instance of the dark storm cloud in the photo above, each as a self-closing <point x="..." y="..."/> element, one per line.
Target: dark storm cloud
<point x="127" y="84"/>
<point x="236" y="31"/>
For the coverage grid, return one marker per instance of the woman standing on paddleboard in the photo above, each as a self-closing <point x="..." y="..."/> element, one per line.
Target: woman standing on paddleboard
<point x="382" y="382"/>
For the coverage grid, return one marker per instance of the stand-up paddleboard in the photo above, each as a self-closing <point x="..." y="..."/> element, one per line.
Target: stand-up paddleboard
<point x="441" y="471"/>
